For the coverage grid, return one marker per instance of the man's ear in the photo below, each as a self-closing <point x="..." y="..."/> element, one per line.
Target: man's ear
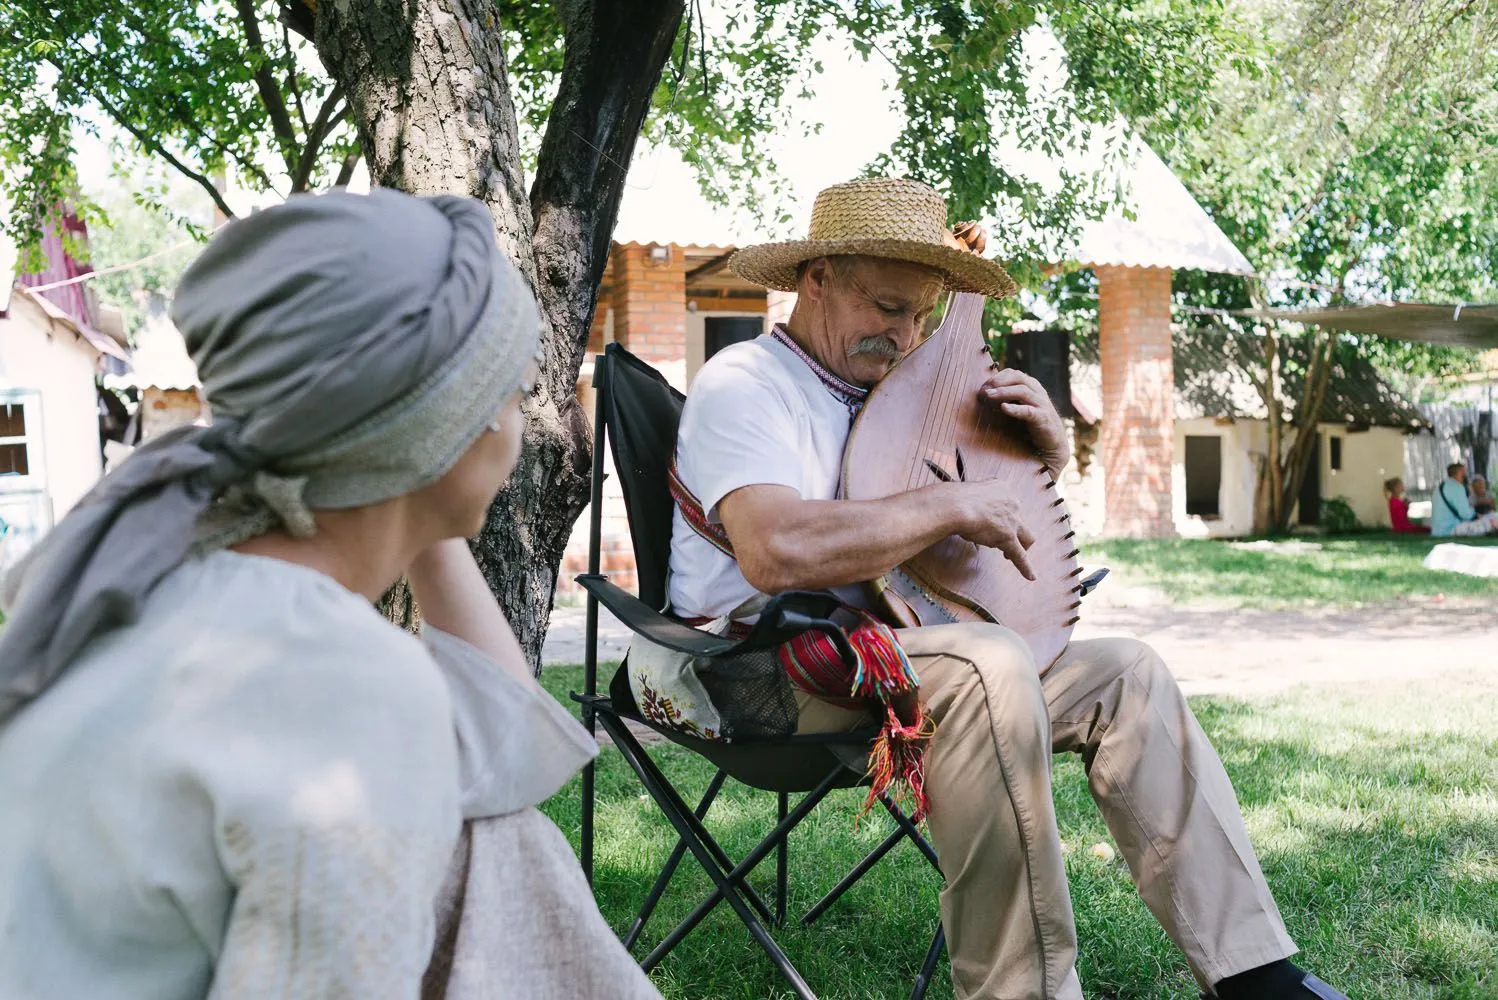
<point x="816" y="277"/>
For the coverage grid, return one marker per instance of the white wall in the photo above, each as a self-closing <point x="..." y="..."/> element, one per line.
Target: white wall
<point x="1368" y="458"/>
<point x="1235" y="499"/>
<point x="60" y="367"/>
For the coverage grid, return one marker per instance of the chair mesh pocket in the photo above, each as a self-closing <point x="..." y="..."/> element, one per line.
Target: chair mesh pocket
<point x="752" y="694"/>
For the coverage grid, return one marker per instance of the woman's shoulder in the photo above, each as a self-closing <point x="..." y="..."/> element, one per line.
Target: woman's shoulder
<point x="276" y="623"/>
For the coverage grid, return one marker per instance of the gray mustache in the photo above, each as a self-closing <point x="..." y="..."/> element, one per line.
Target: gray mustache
<point x="879" y="347"/>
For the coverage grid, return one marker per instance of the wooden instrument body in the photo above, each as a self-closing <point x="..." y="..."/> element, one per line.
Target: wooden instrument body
<point x="924" y="423"/>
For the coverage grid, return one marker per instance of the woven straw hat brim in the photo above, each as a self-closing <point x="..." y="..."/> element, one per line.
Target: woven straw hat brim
<point x="773" y="265"/>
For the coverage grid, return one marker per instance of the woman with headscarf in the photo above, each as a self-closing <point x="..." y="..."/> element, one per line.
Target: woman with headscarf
<point x="222" y="773"/>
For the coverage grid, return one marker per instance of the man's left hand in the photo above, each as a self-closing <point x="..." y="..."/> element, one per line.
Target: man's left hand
<point x="969" y="236"/>
<point x="1019" y="396"/>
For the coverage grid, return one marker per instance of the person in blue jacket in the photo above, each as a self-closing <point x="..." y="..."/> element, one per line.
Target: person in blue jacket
<point x="1451" y="512"/>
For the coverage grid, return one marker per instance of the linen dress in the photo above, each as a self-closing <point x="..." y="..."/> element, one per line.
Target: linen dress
<point x="257" y="790"/>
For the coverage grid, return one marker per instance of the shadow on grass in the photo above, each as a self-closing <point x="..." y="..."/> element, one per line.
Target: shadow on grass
<point x="1375" y="815"/>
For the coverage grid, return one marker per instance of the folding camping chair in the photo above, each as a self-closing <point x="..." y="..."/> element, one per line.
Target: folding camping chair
<point x="637" y="412"/>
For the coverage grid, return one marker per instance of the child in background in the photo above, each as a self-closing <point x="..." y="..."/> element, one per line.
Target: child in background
<point x="1399" y="510"/>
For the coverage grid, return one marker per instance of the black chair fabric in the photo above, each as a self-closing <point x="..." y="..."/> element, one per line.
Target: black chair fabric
<point x="643" y="412"/>
<point x="639" y="413"/>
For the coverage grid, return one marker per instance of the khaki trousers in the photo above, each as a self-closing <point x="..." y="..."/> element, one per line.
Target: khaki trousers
<point x="1157" y="781"/>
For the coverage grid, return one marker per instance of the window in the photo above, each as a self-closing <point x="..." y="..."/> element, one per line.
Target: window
<point x="1334" y="453"/>
<point x="720" y="331"/>
<point x="1203" y="476"/>
<point x="14" y="459"/>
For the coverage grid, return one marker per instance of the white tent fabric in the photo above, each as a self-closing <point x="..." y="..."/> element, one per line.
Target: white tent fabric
<point x="1469" y="560"/>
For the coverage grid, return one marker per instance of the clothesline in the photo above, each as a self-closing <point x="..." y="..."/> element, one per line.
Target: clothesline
<point x="114" y="269"/>
<point x="1194" y="310"/>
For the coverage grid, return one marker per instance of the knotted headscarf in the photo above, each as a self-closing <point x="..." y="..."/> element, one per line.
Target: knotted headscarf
<point x="351" y="348"/>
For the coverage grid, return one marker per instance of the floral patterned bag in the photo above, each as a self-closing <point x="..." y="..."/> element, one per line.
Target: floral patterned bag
<point x="746" y="696"/>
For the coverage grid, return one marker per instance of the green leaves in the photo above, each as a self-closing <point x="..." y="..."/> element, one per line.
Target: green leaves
<point x="186" y="82"/>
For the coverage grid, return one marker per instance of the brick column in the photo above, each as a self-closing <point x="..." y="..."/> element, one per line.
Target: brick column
<point x="650" y="301"/>
<point x="1138" y="433"/>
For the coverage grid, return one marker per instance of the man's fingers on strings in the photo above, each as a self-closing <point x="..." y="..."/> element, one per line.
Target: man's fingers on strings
<point x="1014" y="551"/>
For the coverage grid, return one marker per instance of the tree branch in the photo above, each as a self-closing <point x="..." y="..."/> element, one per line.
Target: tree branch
<point x="296" y="15"/>
<point x="155" y="147"/>
<point x="270" y="91"/>
<point x="185" y="119"/>
<point x="350" y="161"/>
<point x="298" y="101"/>
<point x="325" y="123"/>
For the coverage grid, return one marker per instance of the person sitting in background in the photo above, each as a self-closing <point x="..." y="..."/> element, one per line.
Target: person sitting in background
<point x="1399" y="510"/>
<point x="1482" y="500"/>
<point x="1451" y="512"/>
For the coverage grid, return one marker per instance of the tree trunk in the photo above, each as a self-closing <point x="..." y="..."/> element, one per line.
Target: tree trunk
<point x="1266" y="496"/>
<point x="1307" y="424"/>
<point x="427" y="83"/>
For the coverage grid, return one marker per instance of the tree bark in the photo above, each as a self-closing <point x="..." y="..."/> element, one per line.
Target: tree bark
<point x="1307" y="423"/>
<point x="1266" y="496"/>
<point x="427" y="83"/>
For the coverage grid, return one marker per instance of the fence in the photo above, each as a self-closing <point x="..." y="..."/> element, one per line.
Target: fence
<point x="1459" y="433"/>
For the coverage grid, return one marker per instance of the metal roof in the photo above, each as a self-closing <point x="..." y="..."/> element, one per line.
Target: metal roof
<point x="1474" y="326"/>
<point x="1169" y="228"/>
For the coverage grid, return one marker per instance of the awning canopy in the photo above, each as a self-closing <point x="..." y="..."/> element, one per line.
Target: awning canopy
<point x="1474" y="326"/>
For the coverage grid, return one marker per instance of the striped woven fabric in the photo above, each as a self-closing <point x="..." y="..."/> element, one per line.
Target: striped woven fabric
<point x="852" y="396"/>
<point x="695" y="515"/>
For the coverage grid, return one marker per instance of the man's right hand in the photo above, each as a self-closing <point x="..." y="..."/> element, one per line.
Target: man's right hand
<point x="989" y="516"/>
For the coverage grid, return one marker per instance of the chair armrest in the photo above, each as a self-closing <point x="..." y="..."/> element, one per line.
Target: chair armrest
<point x="783" y="618"/>
<point x="1091" y="580"/>
<point x="644" y="620"/>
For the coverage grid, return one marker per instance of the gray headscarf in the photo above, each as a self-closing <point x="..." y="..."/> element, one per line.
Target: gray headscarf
<point x="351" y="349"/>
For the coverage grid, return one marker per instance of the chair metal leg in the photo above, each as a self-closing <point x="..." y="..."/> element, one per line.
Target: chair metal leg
<point x="589" y="792"/>
<point x="677" y="853"/>
<point x="911" y="830"/>
<point x="740" y="871"/>
<point x="928" y="967"/>
<point x="858" y="872"/>
<point x="590" y="628"/>
<point x="635" y="753"/>
<point x="727" y="882"/>
<point x="781" y="865"/>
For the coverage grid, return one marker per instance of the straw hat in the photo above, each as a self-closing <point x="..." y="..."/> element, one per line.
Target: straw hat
<point x="881" y="217"/>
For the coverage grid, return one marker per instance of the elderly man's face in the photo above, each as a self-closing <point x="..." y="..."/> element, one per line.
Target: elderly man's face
<point x="875" y="310"/>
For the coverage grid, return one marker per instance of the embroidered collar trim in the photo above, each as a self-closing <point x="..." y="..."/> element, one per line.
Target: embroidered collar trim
<point x="852" y="396"/>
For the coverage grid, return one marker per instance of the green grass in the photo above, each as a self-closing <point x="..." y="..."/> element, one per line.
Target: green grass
<point x="1352" y="569"/>
<point x="1375" y="812"/>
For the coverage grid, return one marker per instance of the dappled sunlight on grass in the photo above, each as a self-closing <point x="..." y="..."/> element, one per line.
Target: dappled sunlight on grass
<point x="1374" y="809"/>
<point x="1340" y="570"/>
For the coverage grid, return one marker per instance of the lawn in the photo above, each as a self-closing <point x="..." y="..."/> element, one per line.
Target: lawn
<point x="1353" y="569"/>
<point x="1375" y="811"/>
